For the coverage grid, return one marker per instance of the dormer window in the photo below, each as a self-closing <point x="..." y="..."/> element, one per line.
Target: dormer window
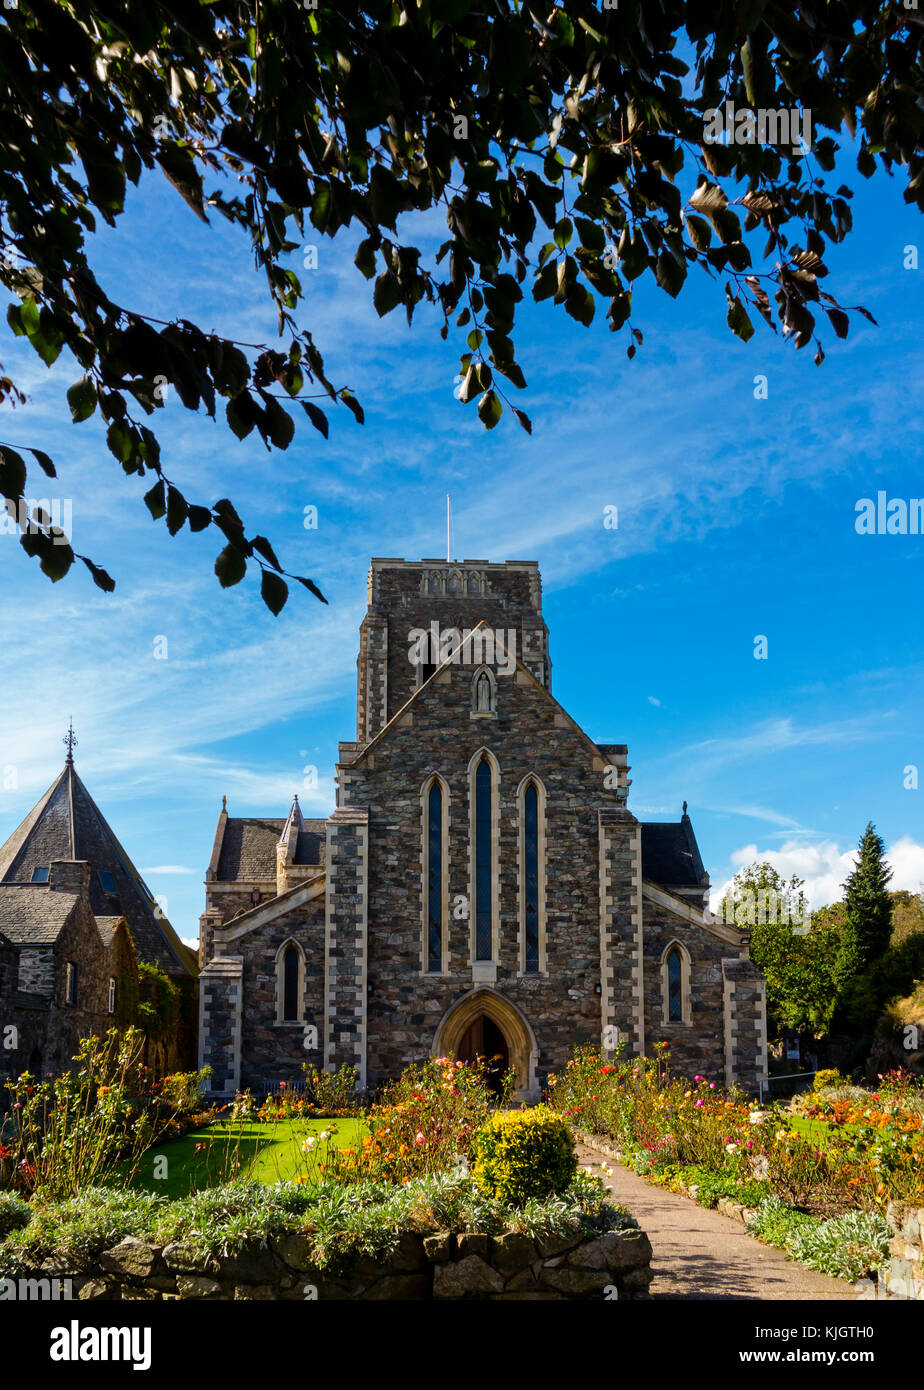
<point x="39" y="875"/>
<point x="106" y="882"/>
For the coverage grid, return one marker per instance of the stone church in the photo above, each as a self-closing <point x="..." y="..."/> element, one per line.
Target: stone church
<point x="76" y="918"/>
<point x="481" y="887"/>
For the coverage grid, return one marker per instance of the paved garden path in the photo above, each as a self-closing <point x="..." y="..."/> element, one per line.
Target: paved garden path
<point x="698" y="1253"/>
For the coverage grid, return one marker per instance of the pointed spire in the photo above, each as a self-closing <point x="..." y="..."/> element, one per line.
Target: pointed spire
<point x="70" y="742"/>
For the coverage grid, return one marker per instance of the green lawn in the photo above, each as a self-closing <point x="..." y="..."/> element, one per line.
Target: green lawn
<point x="240" y="1148"/>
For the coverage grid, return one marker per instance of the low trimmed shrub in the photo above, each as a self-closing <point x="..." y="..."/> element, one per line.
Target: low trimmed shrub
<point x="523" y="1154"/>
<point x="828" y="1076"/>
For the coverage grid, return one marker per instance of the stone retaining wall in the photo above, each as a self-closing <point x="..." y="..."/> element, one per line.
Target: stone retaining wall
<point x="441" y="1266"/>
<point x="903" y="1276"/>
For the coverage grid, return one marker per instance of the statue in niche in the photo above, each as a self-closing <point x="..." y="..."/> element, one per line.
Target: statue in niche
<point x="483" y="693"/>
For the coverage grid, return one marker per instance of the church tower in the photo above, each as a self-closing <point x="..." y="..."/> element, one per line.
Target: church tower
<point x="405" y="596"/>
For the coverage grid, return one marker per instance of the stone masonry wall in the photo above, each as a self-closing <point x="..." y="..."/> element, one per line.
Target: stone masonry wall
<point x="613" y="1266"/>
<point x="697" y="1046"/>
<point x="274" y="1051"/>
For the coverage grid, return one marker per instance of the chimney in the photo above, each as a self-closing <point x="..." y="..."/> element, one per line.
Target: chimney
<point x="70" y="876"/>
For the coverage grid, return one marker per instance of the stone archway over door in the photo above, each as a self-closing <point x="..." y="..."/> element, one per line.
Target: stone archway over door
<point x="522" y="1047"/>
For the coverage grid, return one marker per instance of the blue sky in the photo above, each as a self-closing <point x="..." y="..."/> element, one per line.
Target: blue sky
<point x="736" y="519"/>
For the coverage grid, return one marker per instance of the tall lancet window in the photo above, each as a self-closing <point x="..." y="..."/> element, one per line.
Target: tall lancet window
<point x="290" y="963"/>
<point x="531" y="876"/>
<point x="483" y="863"/>
<point x="435" y="878"/>
<point x="674" y="986"/>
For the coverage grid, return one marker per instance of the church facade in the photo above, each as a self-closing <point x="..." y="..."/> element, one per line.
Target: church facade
<point x="480" y="888"/>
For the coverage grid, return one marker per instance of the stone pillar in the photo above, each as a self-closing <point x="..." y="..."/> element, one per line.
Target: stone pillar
<point x="745" y="1023"/>
<point x="622" y="1001"/>
<point x="372" y="677"/>
<point x="221" y="991"/>
<point x="210" y="919"/>
<point x="345" y="949"/>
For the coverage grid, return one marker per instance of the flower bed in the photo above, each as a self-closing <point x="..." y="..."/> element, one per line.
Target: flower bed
<point x="815" y="1181"/>
<point x="440" y="1237"/>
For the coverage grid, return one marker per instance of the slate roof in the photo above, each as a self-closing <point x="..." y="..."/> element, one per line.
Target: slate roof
<point x="67" y="824"/>
<point x="34" y="916"/>
<point x="248" y="847"/>
<point x="670" y="854"/>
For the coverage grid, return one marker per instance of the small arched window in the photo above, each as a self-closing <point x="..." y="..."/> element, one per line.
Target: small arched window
<point x="290" y="985"/>
<point x="676" y="997"/>
<point x="674" y="986"/>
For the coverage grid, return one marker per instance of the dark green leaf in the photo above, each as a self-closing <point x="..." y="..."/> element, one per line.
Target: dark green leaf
<point x="274" y="591"/>
<point x="230" y="567"/>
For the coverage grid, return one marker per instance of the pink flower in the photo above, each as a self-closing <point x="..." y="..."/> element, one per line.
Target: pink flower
<point x="421" y="1139"/>
<point x="699" y="1102"/>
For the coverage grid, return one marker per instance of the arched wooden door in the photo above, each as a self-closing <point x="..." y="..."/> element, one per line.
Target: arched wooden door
<point x="484" y="1041"/>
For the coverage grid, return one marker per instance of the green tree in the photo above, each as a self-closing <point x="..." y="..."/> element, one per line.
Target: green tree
<point x="867" y="912"/>
<point x="907" y="915"/>
<point x="572" y="149"/>
<point x="794" y="951"/>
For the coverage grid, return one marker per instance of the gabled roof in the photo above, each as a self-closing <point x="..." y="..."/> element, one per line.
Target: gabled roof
<point x="248" y="847"/>
<point x="562" y="715"/>
<point x="34" y="916"/>
<point x="67" y="824"/>
<point x="670" y="854"/>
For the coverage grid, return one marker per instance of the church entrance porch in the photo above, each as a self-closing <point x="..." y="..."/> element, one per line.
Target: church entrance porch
<point x="485" y="1024"/>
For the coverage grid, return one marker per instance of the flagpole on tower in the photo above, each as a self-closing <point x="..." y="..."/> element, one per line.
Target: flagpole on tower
<point x="448" y="533"/>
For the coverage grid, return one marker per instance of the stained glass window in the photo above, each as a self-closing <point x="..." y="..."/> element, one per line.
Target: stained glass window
<point x="435" y="878"/>
<point x="674" y="987"/>
<point x="531" y="868"/>
<point x="483" y="906"/>
<point x="290" y="984"/>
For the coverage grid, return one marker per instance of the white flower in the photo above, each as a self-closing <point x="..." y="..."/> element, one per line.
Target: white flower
<point x="309" y="1143"/>
<point x="757" y="1117"/>
<point x="730" y="1148"/>
<point x="325" y="1135"/>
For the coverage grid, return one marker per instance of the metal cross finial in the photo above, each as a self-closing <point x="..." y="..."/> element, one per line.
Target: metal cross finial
<point x="70" y="742"/>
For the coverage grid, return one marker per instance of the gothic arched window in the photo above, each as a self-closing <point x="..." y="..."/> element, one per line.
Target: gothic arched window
<point x="531" y="878"/>
<point x="484" y="895"/>
<point x="435" y="878"/>
<point x="675" y="983"/>
<point x="674" y="987"/>
<point x="290" y="983"/>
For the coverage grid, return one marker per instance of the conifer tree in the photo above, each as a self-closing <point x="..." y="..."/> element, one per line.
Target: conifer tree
<point x="868" y="924"/>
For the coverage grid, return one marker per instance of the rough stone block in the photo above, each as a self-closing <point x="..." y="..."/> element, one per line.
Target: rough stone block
<point x="465" y="1278"/>
<point x="131" y="1256"/>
